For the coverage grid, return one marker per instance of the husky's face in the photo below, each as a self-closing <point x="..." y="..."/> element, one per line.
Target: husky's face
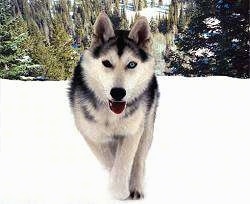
<point x="118" y="66"/>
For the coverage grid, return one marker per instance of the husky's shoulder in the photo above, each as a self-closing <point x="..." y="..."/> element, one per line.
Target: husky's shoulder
<point x="152" y="92"/>
<point x="79" y="88"/>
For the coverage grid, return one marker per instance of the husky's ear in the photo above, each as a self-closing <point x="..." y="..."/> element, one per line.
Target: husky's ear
<point x="140" y="33"/>
<point x="103" y="29"/>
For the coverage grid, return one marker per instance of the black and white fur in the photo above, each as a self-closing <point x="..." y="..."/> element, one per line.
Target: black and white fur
<point x="119" y="141"/>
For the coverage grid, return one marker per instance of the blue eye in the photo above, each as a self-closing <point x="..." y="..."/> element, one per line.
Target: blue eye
<point x="131" y="65"/>
<point x="107" y="63"/>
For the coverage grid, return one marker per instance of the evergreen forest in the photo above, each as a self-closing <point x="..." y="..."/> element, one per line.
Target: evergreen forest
<point x="44" y="39"/>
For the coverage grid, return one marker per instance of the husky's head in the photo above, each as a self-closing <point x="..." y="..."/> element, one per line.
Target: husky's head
<point x="118" y="66"/>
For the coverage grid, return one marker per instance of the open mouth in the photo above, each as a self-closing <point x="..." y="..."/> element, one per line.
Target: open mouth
<point x="117" y="106"/>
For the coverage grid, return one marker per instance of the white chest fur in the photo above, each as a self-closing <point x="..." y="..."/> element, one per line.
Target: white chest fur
<point x="106" y="124"/>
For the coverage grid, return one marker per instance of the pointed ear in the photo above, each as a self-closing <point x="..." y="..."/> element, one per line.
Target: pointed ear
<point x="140" y="32"/>
<point x="103" y="29"/>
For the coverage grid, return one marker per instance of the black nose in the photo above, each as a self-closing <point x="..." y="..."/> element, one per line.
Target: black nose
<point x="118" y="93"/>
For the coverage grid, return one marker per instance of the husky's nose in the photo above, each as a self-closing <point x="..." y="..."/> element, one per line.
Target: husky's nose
<point x="118" y="93"/>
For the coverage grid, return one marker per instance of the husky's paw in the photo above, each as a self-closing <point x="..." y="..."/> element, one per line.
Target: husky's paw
<point x="119" y="190"/>
<point x="136" y="195"/>
<point x="120" y="194"/>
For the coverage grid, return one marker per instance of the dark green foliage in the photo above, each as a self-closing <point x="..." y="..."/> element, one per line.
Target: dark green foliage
<point x="62" y="8"/>
<point x="39" y="45"/>
<point x="117" y="7"/>
<point x="232" y="53"/>
<point x="220" y="28"/>
<point x="119" y="19"/>
<point x="41" y="14"/>
<point x="140" y="5"/>
<point x="173" y="14"/>
<point x="152" y="3"/>
<point x="106" y="5"/>
<point x="78" y="17"/>
<point x="61" y="50"/>
<point x="45" y="38"/>
<point x="182" y="20"/>
<point x="5" y="11"/>
<point x="163" y="25"/>
<point x="153" y="25"/>
<point x="124" y="24"/>
<point x="39" y="49"/>
<point x="91" y="10"/>
<point x="14" y="61"/>
<point x="116" y="20"/>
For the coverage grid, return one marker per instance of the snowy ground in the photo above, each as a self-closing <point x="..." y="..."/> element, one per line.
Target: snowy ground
<point x="200" y="153"/>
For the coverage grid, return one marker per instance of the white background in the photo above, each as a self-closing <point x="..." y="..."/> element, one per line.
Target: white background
<point x="200" y="153"/>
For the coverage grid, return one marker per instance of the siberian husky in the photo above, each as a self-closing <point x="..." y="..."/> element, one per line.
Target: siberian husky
<point x="114" y="96"/>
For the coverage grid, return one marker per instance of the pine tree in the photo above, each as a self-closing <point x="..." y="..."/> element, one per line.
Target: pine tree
<point x="5" y="12"/>
<point x="91" y="10"/>
<point x="78" y="17"/>
<point x="41" y="13"/>
<point x="22" y="8"/>
<point x="135" y="4"/>
<point x="62" y="51"/>
<point x="162" y="25"/>
<point x="39" y="50"/>
<point x="14" y="60"/>
<point x="181" y="21"/>
<point x="220" y="29"/>
<point x="62" y="9"/>
<point x="124" y="24"/>
<point x="152" y="3"/>
<point x="173" y="15"/>
<point x="232" y="52"/>
<point x="107" y="6"/>
<point x="116" y="20"/>
<point x="153" y="25"/>
<point x="140" y="5"/>
<point x="117" y="7"/>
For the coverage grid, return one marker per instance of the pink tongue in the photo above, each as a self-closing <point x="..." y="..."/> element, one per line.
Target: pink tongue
<point x="117" y="106"/>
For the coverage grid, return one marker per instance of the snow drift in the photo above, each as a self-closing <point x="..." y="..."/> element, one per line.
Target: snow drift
<point x="200" y="152"/>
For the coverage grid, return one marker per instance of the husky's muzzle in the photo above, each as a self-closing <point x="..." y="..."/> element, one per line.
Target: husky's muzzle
<point x="117" y="105"/>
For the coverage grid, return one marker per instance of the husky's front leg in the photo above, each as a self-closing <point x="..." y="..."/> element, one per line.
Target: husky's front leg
<point x="102" y="152"/>
<point x="138" y="170"/>
<point x="120" y="173"/>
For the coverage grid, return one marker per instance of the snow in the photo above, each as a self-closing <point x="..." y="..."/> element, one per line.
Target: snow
<point x="25" y="58"/>
<point x="235" y="40"/>
<point x="212" y="22"/>
<point x="203" y="52"/>
<point x="149" y="12"/>
<point x="200" y="152"/>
